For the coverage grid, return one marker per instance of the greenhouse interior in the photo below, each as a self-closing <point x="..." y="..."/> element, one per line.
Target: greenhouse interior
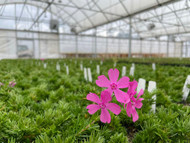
<point x="94" y="71"/>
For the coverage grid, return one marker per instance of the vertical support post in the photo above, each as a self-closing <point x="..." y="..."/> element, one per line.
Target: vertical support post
<point x="119" y="41"/>
<point x="186" y="49"/>
<point x="95" y="43"/>
<point x="39" y="44"/>
<point x="130" y="36"/>
<point x="59" y="45"/>
<point x="159" y="48"/>
<point x="168" y="47"/>
<point x="33" y="45"/>
<point x="76" y="42"/>
<point x="107" y="47"/>
<point x="182" y="45"/>
<point x="150" y="52"/>
<point x="174" y="49"/>
<point x="16" y="33"/>
<point x="119" y="51"/>
<point x="106" y="54"/>
<point x="141" y="48"/>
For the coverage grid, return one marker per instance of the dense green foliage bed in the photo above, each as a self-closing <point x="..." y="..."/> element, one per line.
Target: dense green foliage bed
<point x="49" y="106"/>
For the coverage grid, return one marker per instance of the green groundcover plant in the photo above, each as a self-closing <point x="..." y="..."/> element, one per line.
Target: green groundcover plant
<point x="43" y="105"/>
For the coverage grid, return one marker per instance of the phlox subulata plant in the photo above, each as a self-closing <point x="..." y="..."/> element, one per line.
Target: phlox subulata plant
<point x="113" y="89"/>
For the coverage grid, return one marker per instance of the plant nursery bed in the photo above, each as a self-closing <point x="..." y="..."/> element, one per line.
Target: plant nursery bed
<point x="45" y="101"/>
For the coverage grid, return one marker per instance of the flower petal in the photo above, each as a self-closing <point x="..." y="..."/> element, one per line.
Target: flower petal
<point x="141" y="92"/>
<point x="129" y="109"/>
<point x="121" y="96"/>
<point x="106" y="96"/>
<point x="105" y="116"/>
<point x="123" y="82"/>
<point x="92" y="108"/>
<point x="138" y="103"/>
<point x="133" y="85"/>
<point x="93" y="97"/>
<point x="103" y="81"/>
<point x="113" y="75"/>
<point x="114" y="108"/>
<point x="109" y="90"/>
<point x="134" y="114"/>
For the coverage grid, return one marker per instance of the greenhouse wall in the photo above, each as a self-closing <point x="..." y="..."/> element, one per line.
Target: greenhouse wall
<point x="19" y="44"/>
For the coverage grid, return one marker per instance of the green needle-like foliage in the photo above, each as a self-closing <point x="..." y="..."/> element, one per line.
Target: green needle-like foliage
<point x="49" y="106"/>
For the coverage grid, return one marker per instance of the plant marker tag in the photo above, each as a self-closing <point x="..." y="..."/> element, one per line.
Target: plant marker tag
<point x="133" y="65"/>
<point x="45" y="65"/>
<point x="57" y="67"/>
<point x="153" y="66"/>
<point x="123" y="71"/>
<point x="81" y="67"/>
<point x="186" y="89"/>
<point x="141" y="84"/>
<point x="89" y="75"/>
<point x="151" y="88"/>
<point x="98" y="69"/>
<point x="132" y="70"/>
<point x="101" y="62"/>
<point x="115" y="64"/>
<point x="85" y="74"/>
<point x="67" y="70"/>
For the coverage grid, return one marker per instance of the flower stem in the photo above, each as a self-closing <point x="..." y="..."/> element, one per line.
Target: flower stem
<point x="88" y="126"/>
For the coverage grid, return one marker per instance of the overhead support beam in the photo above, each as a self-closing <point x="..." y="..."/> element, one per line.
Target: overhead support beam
<point x="49" y="4"/>
<point x="169" y="33"/>
<point x="79" y="8"/>
<point x="132" y="14"/>
<point x="130" y="37"/>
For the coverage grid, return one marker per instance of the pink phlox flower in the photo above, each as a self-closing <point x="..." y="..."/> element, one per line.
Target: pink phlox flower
<point x="1" y="84"/>
<point x="131" y="91"/>
<point x="134" y="103"/>
<point x="104" y="105"/>
<point x="42" y="59"/>
<point x="12" y="83"/>
<point x="132" y="88"/>
<point x="113" y="85"/>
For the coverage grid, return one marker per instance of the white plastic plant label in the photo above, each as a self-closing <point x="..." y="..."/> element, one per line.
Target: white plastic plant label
<point x="141" y="84"/>
<point x="115" y="64"/>
<point x="81" y="67"/>
<point x="89" y="75"/>
<point x="45" y="65"/>
<point x="186" y="89"/>
<point x="132" y="71"/>
<point x="153" y="66"/>
<point x="123" y="71"/>
<point x="67" y="70"/>
<point x="85" y="74"/>
<point x="98" y="69"/>
<point x="101" y="62"/>
<point x="57" y="67"/>
<point x="151" y="88"/>
<point x="133" y="65"/>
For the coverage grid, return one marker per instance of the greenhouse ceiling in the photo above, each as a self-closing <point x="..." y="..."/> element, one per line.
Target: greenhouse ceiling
<point x="148" y="18"/>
